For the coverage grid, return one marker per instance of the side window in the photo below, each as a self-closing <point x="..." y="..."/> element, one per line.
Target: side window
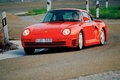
<point x="86" y="15"/>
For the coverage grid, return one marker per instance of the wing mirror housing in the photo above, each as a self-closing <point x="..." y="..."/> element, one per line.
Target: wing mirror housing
<point x="85" y="18"/>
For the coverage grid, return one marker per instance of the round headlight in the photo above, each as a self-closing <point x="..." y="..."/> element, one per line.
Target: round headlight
<point x="26" y="32"/>
<point x="66" y="31"/>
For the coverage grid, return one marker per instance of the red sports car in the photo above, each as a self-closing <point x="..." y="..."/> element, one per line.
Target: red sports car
<point x="64" y="27"/>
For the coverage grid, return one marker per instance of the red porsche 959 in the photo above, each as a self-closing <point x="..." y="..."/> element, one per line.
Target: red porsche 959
<point x="64" y="27"/>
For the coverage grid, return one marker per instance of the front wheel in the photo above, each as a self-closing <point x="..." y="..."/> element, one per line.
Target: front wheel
<point x="102" y="37"/>
<point x="29" y="51"/>
<point x="80" y="41"/>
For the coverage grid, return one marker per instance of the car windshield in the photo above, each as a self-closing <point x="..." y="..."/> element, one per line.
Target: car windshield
<point x="62" y="15"/>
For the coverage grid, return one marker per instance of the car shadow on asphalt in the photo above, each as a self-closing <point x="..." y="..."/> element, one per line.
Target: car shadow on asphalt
<point x="54" y="51"/>
<point x="63" y="50"/>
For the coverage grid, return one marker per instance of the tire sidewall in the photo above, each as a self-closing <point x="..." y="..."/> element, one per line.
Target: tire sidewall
<point x="80" y="43"/>
<point x="101" y="38"/>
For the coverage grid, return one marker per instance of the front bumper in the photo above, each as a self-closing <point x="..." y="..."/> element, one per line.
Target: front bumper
<point x="56" y="43"/>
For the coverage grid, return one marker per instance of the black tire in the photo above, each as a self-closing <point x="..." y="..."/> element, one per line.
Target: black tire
<point x="80" y="41"/>
<point x="29" y="51"/>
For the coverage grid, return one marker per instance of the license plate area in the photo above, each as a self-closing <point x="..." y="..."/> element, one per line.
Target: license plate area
<point x="43" y="40"/>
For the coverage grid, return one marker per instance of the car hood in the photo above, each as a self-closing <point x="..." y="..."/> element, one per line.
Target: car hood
<point x="51" y="27"/>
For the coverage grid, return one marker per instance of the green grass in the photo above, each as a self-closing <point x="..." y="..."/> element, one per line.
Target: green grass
<point x="34" y="12"/>
<point x="107" y="13"/>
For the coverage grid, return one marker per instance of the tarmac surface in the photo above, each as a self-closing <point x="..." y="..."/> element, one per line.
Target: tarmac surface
<point x="92" y="63"/>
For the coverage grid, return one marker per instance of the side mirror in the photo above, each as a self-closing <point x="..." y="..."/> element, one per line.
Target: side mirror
<point x="85" y="18"/>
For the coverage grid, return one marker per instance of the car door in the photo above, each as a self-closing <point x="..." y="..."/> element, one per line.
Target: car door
<point x="89" y="29"/>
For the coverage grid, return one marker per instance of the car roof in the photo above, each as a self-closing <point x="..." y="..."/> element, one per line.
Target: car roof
<point x="81" y="10"/>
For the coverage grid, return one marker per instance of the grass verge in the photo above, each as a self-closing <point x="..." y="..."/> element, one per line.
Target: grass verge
<point x="34" y="12"/>
<point x="105" y="13"/>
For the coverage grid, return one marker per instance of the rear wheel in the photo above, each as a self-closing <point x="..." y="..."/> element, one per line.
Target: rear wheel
<point x="102" y="37"/>
<point x="29" y="51"/>
<point x="80" y="41"/>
